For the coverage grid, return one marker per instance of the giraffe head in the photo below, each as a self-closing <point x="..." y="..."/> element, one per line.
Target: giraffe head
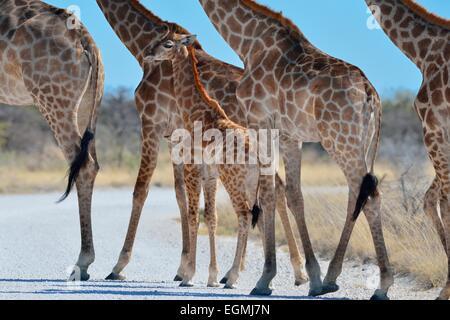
<point x="173" y="45"/>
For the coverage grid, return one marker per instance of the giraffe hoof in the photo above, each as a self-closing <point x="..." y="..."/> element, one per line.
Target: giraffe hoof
<point x="213" y="285"/>
<point x="186" y="284"/>
<point x="315" y="292"/>
<point x="261" y="292"/>
<point x="115" y="277"/>
<point x="441" y="299"/>
<point x="329" y="288"/>
<point x="177" y="278"/>
<point x="230" y="286"/>
<point x="83" y="276"/>
<point x="379" y="296"/>
<point x="224" y="280"/>
<point x="301" y="281"/>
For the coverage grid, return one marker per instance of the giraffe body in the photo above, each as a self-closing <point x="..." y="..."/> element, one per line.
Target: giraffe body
<point x="309" y="96"/>
<point x="49" y="60"/>
<point x="157" y="106"/>
<point x="425" y="39"/>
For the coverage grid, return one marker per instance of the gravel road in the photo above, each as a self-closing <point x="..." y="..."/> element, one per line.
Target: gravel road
<point x="40" y="239"/>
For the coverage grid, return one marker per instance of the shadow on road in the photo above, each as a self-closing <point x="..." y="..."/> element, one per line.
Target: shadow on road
<point x="133" y="289"/>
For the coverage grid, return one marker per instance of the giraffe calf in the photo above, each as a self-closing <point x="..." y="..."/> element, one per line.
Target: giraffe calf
<point x="196" y="106"/>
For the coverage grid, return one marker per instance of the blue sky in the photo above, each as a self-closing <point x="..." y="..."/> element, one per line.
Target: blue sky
<point x="337" y="27"/>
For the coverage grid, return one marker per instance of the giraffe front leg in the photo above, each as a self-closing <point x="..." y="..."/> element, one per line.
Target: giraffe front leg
<point x="192" y="178"/>
<point x="267" y="198"/>
<point x="150" y="149"/>
<point x="180" y="191"/>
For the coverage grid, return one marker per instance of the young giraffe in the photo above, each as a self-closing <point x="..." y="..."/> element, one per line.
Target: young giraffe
<point x="310" y="97"/>
<point x="425" y="39"/>
<point x="140" y="30"/>
<point x="196" y="106"/>
<point x="49" y="60"/>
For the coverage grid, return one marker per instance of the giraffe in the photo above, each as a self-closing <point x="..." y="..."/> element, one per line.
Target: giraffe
<point x="310" y="97"/>
<point x="425" y="39"/>
<point x="196" y="106"/>
<point x="140" y="30"/>
<point x="48" y="59"/>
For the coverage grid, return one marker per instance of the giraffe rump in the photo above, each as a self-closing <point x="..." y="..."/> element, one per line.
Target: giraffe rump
<point x="92" y="53"/>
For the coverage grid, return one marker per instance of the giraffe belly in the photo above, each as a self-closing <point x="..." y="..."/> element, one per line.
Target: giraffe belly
<point x="12" y="88"/>
<point x="303" y="127"/>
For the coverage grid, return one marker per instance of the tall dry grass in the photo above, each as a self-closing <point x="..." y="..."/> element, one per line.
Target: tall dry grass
<point x="413" y="244"/>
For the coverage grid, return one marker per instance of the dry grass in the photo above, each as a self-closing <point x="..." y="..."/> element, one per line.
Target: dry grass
<point x="413" y="244"/>
<point x="21" y="178"/>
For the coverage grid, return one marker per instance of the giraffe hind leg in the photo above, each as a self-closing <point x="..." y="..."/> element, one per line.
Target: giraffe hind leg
<point x="210" y="191"/>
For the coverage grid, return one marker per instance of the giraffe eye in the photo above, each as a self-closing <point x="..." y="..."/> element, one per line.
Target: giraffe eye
<point x="168" y="44"/>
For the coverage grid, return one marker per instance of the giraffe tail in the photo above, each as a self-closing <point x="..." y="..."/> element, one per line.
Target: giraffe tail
<point x="369" y="186"/>
<point x="79" y="162"/>
<point x="93" y="83"/>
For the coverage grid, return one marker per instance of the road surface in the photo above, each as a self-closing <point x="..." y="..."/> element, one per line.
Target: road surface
<point x="40" y="239"/>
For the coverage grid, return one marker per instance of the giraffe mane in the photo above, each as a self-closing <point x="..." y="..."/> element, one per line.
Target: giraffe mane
<point x="199" y="85"/>
<point x="425" y="14"/>
<point x="278" y="16"/>
<point x="175" y="28"/>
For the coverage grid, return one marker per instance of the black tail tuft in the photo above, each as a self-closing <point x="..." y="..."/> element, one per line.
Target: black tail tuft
<point x="78" y="163"/>
<point x="256" y="213"/>
<point x="368" y="189"/>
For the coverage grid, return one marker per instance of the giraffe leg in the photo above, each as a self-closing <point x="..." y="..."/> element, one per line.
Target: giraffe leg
<point x="68" y="138"/>
<point x="151" y="138"/>
<point x="85" y="186"/>
<point x="180" y="191"/>
<point x="193" y="181"/>
<point x="267" y="200"/>
<point x="445" y="212"/>
<point x="237" y="193"/>
<point x="438" y="152"/>
<point x="373" y="214"/>
<point x="292" y="160"/>
<point x="431" y="209"/>
<point x="210" y="191"/>
<point x="297" y="260"/>
<point x="335" y="267"/>
<point x="242" y="268"/>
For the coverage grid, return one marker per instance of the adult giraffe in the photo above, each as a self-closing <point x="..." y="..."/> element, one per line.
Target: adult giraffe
<point x="141" y="32"/>
<point x="310" y="97"/>
<point x="48" y="59"/>
<point x="425" y="39"/>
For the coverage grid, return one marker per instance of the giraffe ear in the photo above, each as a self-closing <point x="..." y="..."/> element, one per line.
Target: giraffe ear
<point x="188" y="40"/>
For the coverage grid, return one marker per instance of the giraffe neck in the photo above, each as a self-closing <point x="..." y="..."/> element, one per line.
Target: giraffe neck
<point x="411" y="28"/>
<point x="137" y="28"/>
<point x="250" y="28"/>
<point x="195" y="102"/>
